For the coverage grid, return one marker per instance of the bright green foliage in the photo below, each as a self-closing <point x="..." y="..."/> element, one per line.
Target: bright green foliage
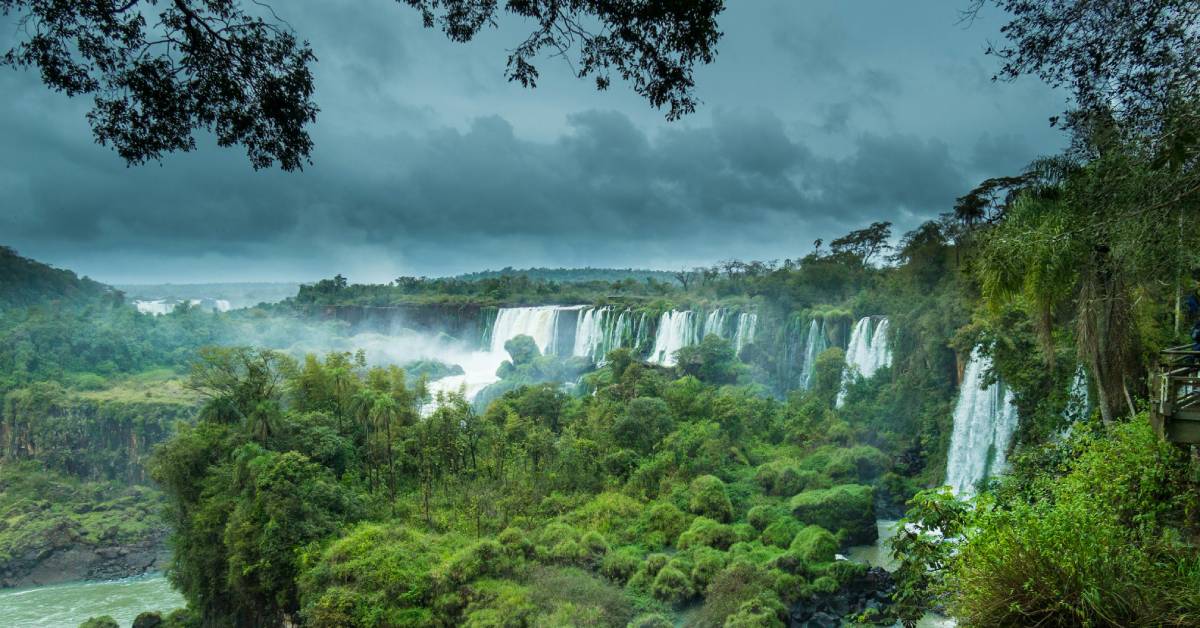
<point x="712" y="361"/>
<point x="762" y="516"/>
<point x="671" y="585"/>
<point x="709" y="499"/>
<point x="706" y="563"/>
<point x="781" y="531"/>
<point x="921" y="547"/>
<point x="737" y="584"/>
<point x="814" y="544"/>
<point x="785" y="478"/>
<point x="620" y="565"/>
<point x="1095" y="547"/>
<point x="847" y="508"/>
<point x="707" y="533"/>
<point x="765" y="611"/>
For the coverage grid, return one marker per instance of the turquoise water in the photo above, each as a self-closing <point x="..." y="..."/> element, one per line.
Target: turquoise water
<point x="67" y="605"/>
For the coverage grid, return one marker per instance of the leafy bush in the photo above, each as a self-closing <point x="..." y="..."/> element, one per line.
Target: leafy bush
<point x="708" y="533"/>
<point x="619" y="565"/>
<point x="671" y="585"/>
<point x="761" y="516"/>
<point x="781" y="531"/>
<point x="1094" y="547"/>
<point x="764" y="611"/>
<point x="709" y="499"/>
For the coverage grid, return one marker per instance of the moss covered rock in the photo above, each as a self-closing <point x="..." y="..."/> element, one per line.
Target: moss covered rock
<point x="814" y="544"/>
<point x="848" y="509"/>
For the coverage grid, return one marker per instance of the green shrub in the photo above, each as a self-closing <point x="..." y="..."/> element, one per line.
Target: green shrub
<point x="764" y="611"/>
<point x="848" y="509"/>
<point x="515" y="542"/>
<point x="644" y="576"/>
<point x="825" y="584"/>
<point x="671" y="585"/>
<point x="494" y="603"/>
<point x="103" y="621"/>
<point x="652" y="620"/>
<point x="594" y="544"/>
<point x="781" y="532"/>
<point x="709" y="499"/>
<point x="708" y="533"/>
<point x="814" y="544"/>
<point x="1097" y="546"/>
<point x="784" y="477"/>
<point x="619" y="565"/>
<point x="761" y="516"/>
<point x="735" y="585"/>
<point x="663" y="520"/>
<point x="578" y="596"/>
<point x="706" y="563"/>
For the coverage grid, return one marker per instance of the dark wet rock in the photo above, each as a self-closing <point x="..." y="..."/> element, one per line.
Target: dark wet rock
<point x="869" y="593"/>
<point x="148" y="620"/>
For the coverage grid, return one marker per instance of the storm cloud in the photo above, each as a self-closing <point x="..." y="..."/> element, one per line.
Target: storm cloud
<point x="817" y="119"/>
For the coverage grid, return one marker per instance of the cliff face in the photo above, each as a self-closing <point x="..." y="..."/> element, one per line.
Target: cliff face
<point x="88" y="437"/>
<point x="61" y="554"/>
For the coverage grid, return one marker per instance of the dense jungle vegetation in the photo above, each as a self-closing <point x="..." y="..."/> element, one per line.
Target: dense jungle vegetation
<point x="311" y="490"/>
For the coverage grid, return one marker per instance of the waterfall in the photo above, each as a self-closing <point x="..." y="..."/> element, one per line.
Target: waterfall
<point x="600" y="330"/>
<point x="221" y="305"/>
<point x="1079" y="403"/>
<point x="867" y="352"/>
<point x="675" y="331"/>
<point x="714" y="323"/>
<point x="984" y="422"/>
<point x="814" y="344"/>
<point x="746" y="324"/>
<point x="157" y="307"/>
<point x="539" y="323"/>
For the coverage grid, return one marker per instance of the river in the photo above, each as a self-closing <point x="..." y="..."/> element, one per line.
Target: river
<point x="68" y="605"/>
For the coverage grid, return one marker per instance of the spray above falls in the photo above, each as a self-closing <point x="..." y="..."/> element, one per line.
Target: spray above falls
<point x="985" y="420"/>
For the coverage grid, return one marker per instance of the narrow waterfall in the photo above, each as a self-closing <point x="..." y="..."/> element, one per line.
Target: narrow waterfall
<point x="867" y="352"/>
<point x="539" y="323"/>
<point x="814" y="344"/>
<point x="746" y="324"/>
<point x="675" y="331"/>
<point x="1079" y="403"/>
<point x="984" y="422"/>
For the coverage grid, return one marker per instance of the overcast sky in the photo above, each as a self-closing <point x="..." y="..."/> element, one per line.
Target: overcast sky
<point x="818" y="117"/>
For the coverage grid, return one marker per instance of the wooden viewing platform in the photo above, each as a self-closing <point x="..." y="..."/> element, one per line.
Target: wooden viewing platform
<point x="1175" y="395"/>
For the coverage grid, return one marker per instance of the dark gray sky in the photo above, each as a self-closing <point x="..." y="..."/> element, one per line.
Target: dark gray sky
<point x="818" y="118"/>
